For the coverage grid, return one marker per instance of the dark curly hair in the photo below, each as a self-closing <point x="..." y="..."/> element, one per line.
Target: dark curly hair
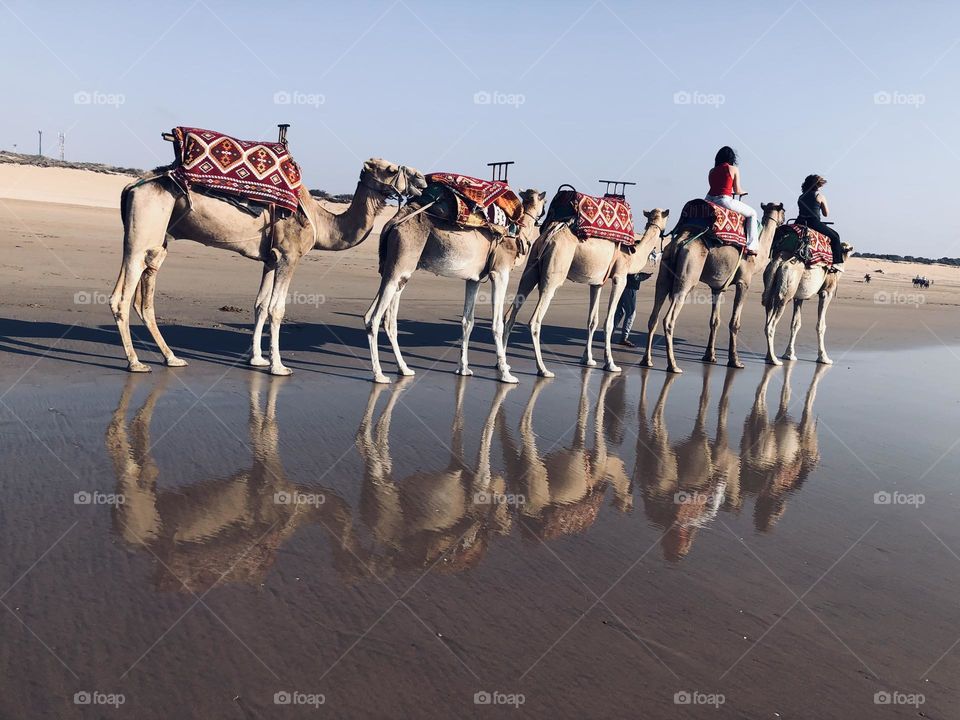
<point x="726" y="154"/>
<point x="813" y="182"/>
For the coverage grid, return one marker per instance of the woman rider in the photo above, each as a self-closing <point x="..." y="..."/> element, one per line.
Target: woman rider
<point x="724" y="183"/>
<point x="812" y="203"/>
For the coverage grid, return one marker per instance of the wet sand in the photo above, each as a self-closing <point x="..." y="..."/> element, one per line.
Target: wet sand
<point x="597" y="544"/>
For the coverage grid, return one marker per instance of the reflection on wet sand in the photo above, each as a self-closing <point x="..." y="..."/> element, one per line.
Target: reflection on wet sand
<point x="221" y="530"/>
<point x="229" y="529"/>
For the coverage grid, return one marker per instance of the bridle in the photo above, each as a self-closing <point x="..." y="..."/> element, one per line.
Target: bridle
<point x="390" y="190"/>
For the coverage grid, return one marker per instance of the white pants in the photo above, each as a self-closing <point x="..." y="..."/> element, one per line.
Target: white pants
<point x="750" y="224"/>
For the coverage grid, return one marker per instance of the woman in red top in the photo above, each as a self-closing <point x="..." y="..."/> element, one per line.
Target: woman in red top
<point x="724" y="184"/>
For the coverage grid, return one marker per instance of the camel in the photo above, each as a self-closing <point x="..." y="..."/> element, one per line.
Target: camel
<point x="563" y="490"/>
<point x="788" y="277"/>
<point x="688" y="261"/>
<point x="559" y="255"/>
<point x="155" y="211"/>
<point x="447" y="514"/>
<point x="418" y="241"/>
<point x="778" y="455"/>
<point x="220" y="530"/>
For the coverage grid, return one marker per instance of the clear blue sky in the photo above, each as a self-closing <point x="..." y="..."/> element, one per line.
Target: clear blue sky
<point x="791" y="85"/>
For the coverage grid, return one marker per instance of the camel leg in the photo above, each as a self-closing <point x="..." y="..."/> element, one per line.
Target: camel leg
<point x="528" y="281"/>
<point x="593" y="315"/>
<point x="389" y="287"/>
<point x="390" y="325"/>
<point x="144" y="304"/>
<point x="733" y="358"/>
<point x="499" y="280"/>
<point x="677" y="299"/>
<point x="616" y="292"/>
<point x="471" y="289"/>
<point x="661" y="292"/>
<point x="710" y="353"/>
<point x="791" y="352"/>
<point x="260" y="316"/>
<point x="277" y="308"/>
<point x="822" y="357"/>
<point x="775" y="308"/>
<point x="536" y="321"/>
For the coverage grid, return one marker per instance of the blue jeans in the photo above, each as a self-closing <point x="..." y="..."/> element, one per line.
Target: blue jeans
<point x="627" y="311"/>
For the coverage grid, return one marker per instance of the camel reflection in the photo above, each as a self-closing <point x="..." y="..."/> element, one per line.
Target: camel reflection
<point x="224" y="530"/>
<point x="778" y="454"/>
<point x="444" y="518"/>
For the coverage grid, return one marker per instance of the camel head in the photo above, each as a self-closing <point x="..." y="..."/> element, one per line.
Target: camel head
<point x="773" y="211"/>
<point x="534" y="206"/>
<point x="846" y="251"/>
<point x="657" y="218"/>
<point x="392" y="180"/>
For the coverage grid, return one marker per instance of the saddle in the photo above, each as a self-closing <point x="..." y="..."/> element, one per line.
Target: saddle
<point x="608" y="217"/>
<point x="715" y="222"/>
<point x="806" y="244"/>
<point x="471" y="202"/>
<point x="253" y="171"/>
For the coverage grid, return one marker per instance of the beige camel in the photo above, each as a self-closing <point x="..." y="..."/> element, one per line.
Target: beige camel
<point x="155" y="212"/>
<point x="219" y="530"/>
<point x="417" y="240"/>
<point x="559" y="255"/>
<point x="787" y="277"/>
<point x="449" y="514"/>
<point x="688" y="261"/>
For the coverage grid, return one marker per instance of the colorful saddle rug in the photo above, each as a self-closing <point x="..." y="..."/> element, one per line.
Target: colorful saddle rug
<point x="810" y="246"/>
<point x="481" y="197"/>
<point x="262" y="172"/>
<point x="608" y="217"/>
<point x="723" y="224"/>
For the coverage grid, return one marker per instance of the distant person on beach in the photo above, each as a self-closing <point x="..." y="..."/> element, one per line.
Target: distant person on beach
<point x="724" y="184"/>
<point x="812" y="203"/>
<point x="627" y="309"/>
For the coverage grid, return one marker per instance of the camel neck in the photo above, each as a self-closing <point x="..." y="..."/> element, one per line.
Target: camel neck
<point x="341" y="231"/>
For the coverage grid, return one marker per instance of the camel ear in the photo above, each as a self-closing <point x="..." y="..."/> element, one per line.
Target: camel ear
<point x="647" y="214"/>
<point x="766" y="207"/>
<point x="543" y="195"/>
<point x="666" y="213"/>
<point x="779" y="206"/>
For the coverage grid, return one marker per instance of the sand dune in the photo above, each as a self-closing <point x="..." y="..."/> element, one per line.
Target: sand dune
<point x="61" y="185"/>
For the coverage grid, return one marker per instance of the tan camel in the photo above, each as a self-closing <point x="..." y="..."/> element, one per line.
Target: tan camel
<point x="689" y="261"/>
<point x="449" y="514"/>
<point x="559" y="255"/>
<point x="778" y="454"/>
<point x="219" y="530"/>
<point x="563" y="490"/>
<point x="155" y="212"/>
<point x="423" y="242"/>
<point x="787" y="277"/>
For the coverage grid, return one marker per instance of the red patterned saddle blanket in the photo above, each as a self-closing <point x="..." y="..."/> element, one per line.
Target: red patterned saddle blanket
<point x="809" y="245"/>
<point x="608" y="217"/>
<point x="480" y="200"/>
<point x="263" y="172"/>
<point x="725" y="225"/>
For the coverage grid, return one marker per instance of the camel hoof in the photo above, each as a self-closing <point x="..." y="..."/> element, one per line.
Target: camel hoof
<point x="824" y="360"/>
<point x="647" y="361"/>
<point x="789" y="356"/>
<point x="138" y="367"/>
<point x="675" y="369"/>
<point x="405" y="371"/>
<point x="281" y="371"/>
<point x="259" y="362"/>
<point x="465" y="371"/>
<point x="381" y="379"/>
<point x="735" y="363"/>
<point x="176" y="362"/>
<point x="546" y="373"/>
<point x="774" y="361"/>
<point x="509" y="379"/>
<point x="610" y="367"/>
<point x="589" y="363"/>
<point x="709" y="357"/>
